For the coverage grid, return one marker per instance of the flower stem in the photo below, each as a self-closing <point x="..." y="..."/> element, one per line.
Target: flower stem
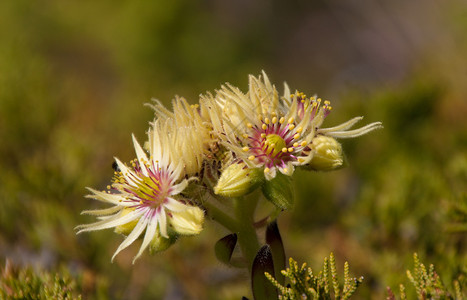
<point x="220" y="217"/>
<point x="247" y="237"/>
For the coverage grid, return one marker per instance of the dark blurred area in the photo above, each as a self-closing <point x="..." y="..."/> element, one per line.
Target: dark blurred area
<point x="74" y="77"/>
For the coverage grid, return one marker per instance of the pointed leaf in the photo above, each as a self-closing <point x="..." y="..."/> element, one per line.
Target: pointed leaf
<point x="274" y="240"/>
<point x="225" y="247"/>
<point x="261" y="286"/>
<point x="279" y="191"/>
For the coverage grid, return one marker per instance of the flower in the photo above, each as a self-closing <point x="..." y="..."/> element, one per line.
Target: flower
<point x="273" y="133"/>
<point x="146" y="197"/>
<point x="190" y="133"/>
<point x="261" y="129"/>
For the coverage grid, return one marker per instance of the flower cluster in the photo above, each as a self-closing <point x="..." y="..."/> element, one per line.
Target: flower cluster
<point x="230" y="143"/>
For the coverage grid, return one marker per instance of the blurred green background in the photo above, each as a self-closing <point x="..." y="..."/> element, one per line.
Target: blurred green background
<point x="74" y="76"/>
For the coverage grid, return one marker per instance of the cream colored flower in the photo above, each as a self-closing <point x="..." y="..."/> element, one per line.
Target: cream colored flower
<point x="264" y="130"/>
<point x="260" y="128"/>
<point x="189" y="133"/>
<point x="146" y="197"/>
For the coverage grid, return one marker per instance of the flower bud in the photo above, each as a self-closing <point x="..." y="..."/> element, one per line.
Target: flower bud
<point x="127" y="228"/>
<point x="327" y="154"/>
<point x="189" y="221"/>
<point x="160" y="243"/>
<point x="238" y="180"/>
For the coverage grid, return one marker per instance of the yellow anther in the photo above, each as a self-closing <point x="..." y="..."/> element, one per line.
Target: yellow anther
<point x="304" y="143"/>
<point x="141" y="202"/>
<point x="299" y="129"/>
<point x="263" y="135"/>
<point x="286" y="170"/>
<point x="284" y="150"/>
<point x="245" y="149"/>
<point x="266" y="120"/>
<point x="327" y="102"/>
<point x="108" y="187"/>
<point x="282" y="120"/>
<point x="329" y="107"/>
<point x="301" y="160"/>
<point x="264" y="126"/>
<point x="319" y="100"/>
<point x="252" y="157"/>
<point x="290" y="149"/>
<point x="266" y="170"/>
<point x="249" y="125"/>
<point x="274" y="120"/>
<point x="295" y="145"/>
<point x="291" y="120"/>
<point x="291" y="126"/>
<point x="245" y="135"/>
<point x="296" y="136"/>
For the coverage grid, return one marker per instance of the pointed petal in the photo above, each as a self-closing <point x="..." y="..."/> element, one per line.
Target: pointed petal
<point x="143" y="221"/>
<point x="112" y="221"/>
<point x="141" y="155"/>
<point x="356" y="132"/>
<point x="102" y="212"/>
<point x="162" y="218"/>
<point x="150" y="233"/>
<point x="174" y="205"/>
<point x="343" y="126"/>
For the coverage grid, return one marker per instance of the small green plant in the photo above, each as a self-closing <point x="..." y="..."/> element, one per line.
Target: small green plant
<point x="428" y="284"/>
<point x="25" y="283"/>
<point x="303" y="284"/>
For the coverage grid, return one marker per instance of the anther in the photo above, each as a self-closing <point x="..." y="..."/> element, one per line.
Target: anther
<point x="252" y="157"/>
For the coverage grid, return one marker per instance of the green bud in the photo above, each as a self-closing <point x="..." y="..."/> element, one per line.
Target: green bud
<point x="238" y="180"/>
<point x="279" y="191"/>
<point x="189" y="221"/>
<point x="127" y="228"/>
<point x="160" y="243"/>
<point x="327" y="154"/>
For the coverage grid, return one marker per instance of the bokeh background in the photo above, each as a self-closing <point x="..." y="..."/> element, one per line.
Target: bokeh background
<point x="74" y="77"/>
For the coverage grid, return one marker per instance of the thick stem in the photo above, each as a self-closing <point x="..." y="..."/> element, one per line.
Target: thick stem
<point x="222" y="218"/>
<point x="247" y="237"/>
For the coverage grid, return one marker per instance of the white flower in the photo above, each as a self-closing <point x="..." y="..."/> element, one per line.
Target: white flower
<point x="146" y="197"/>
<point x="273" y="133"/>
<point x="260" y="128"/>
<point x="188" y="132"/>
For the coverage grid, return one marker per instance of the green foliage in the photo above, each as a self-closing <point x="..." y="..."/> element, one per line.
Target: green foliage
<point x="428" y="285"/>
<point x="303" y="284"/>
<point x="25" y="283"/>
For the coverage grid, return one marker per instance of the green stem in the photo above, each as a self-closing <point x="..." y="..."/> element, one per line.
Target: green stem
<point x="220" y="217"/>
<point x="246" y="233"/>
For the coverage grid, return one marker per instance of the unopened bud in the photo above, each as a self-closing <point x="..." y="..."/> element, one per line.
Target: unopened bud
<point x="160" y="243"/>
<point x="238" y="180"/>
<point x="127" y="228"/>
<point x="189" y="221"/>
<point x="327" y="154"/>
